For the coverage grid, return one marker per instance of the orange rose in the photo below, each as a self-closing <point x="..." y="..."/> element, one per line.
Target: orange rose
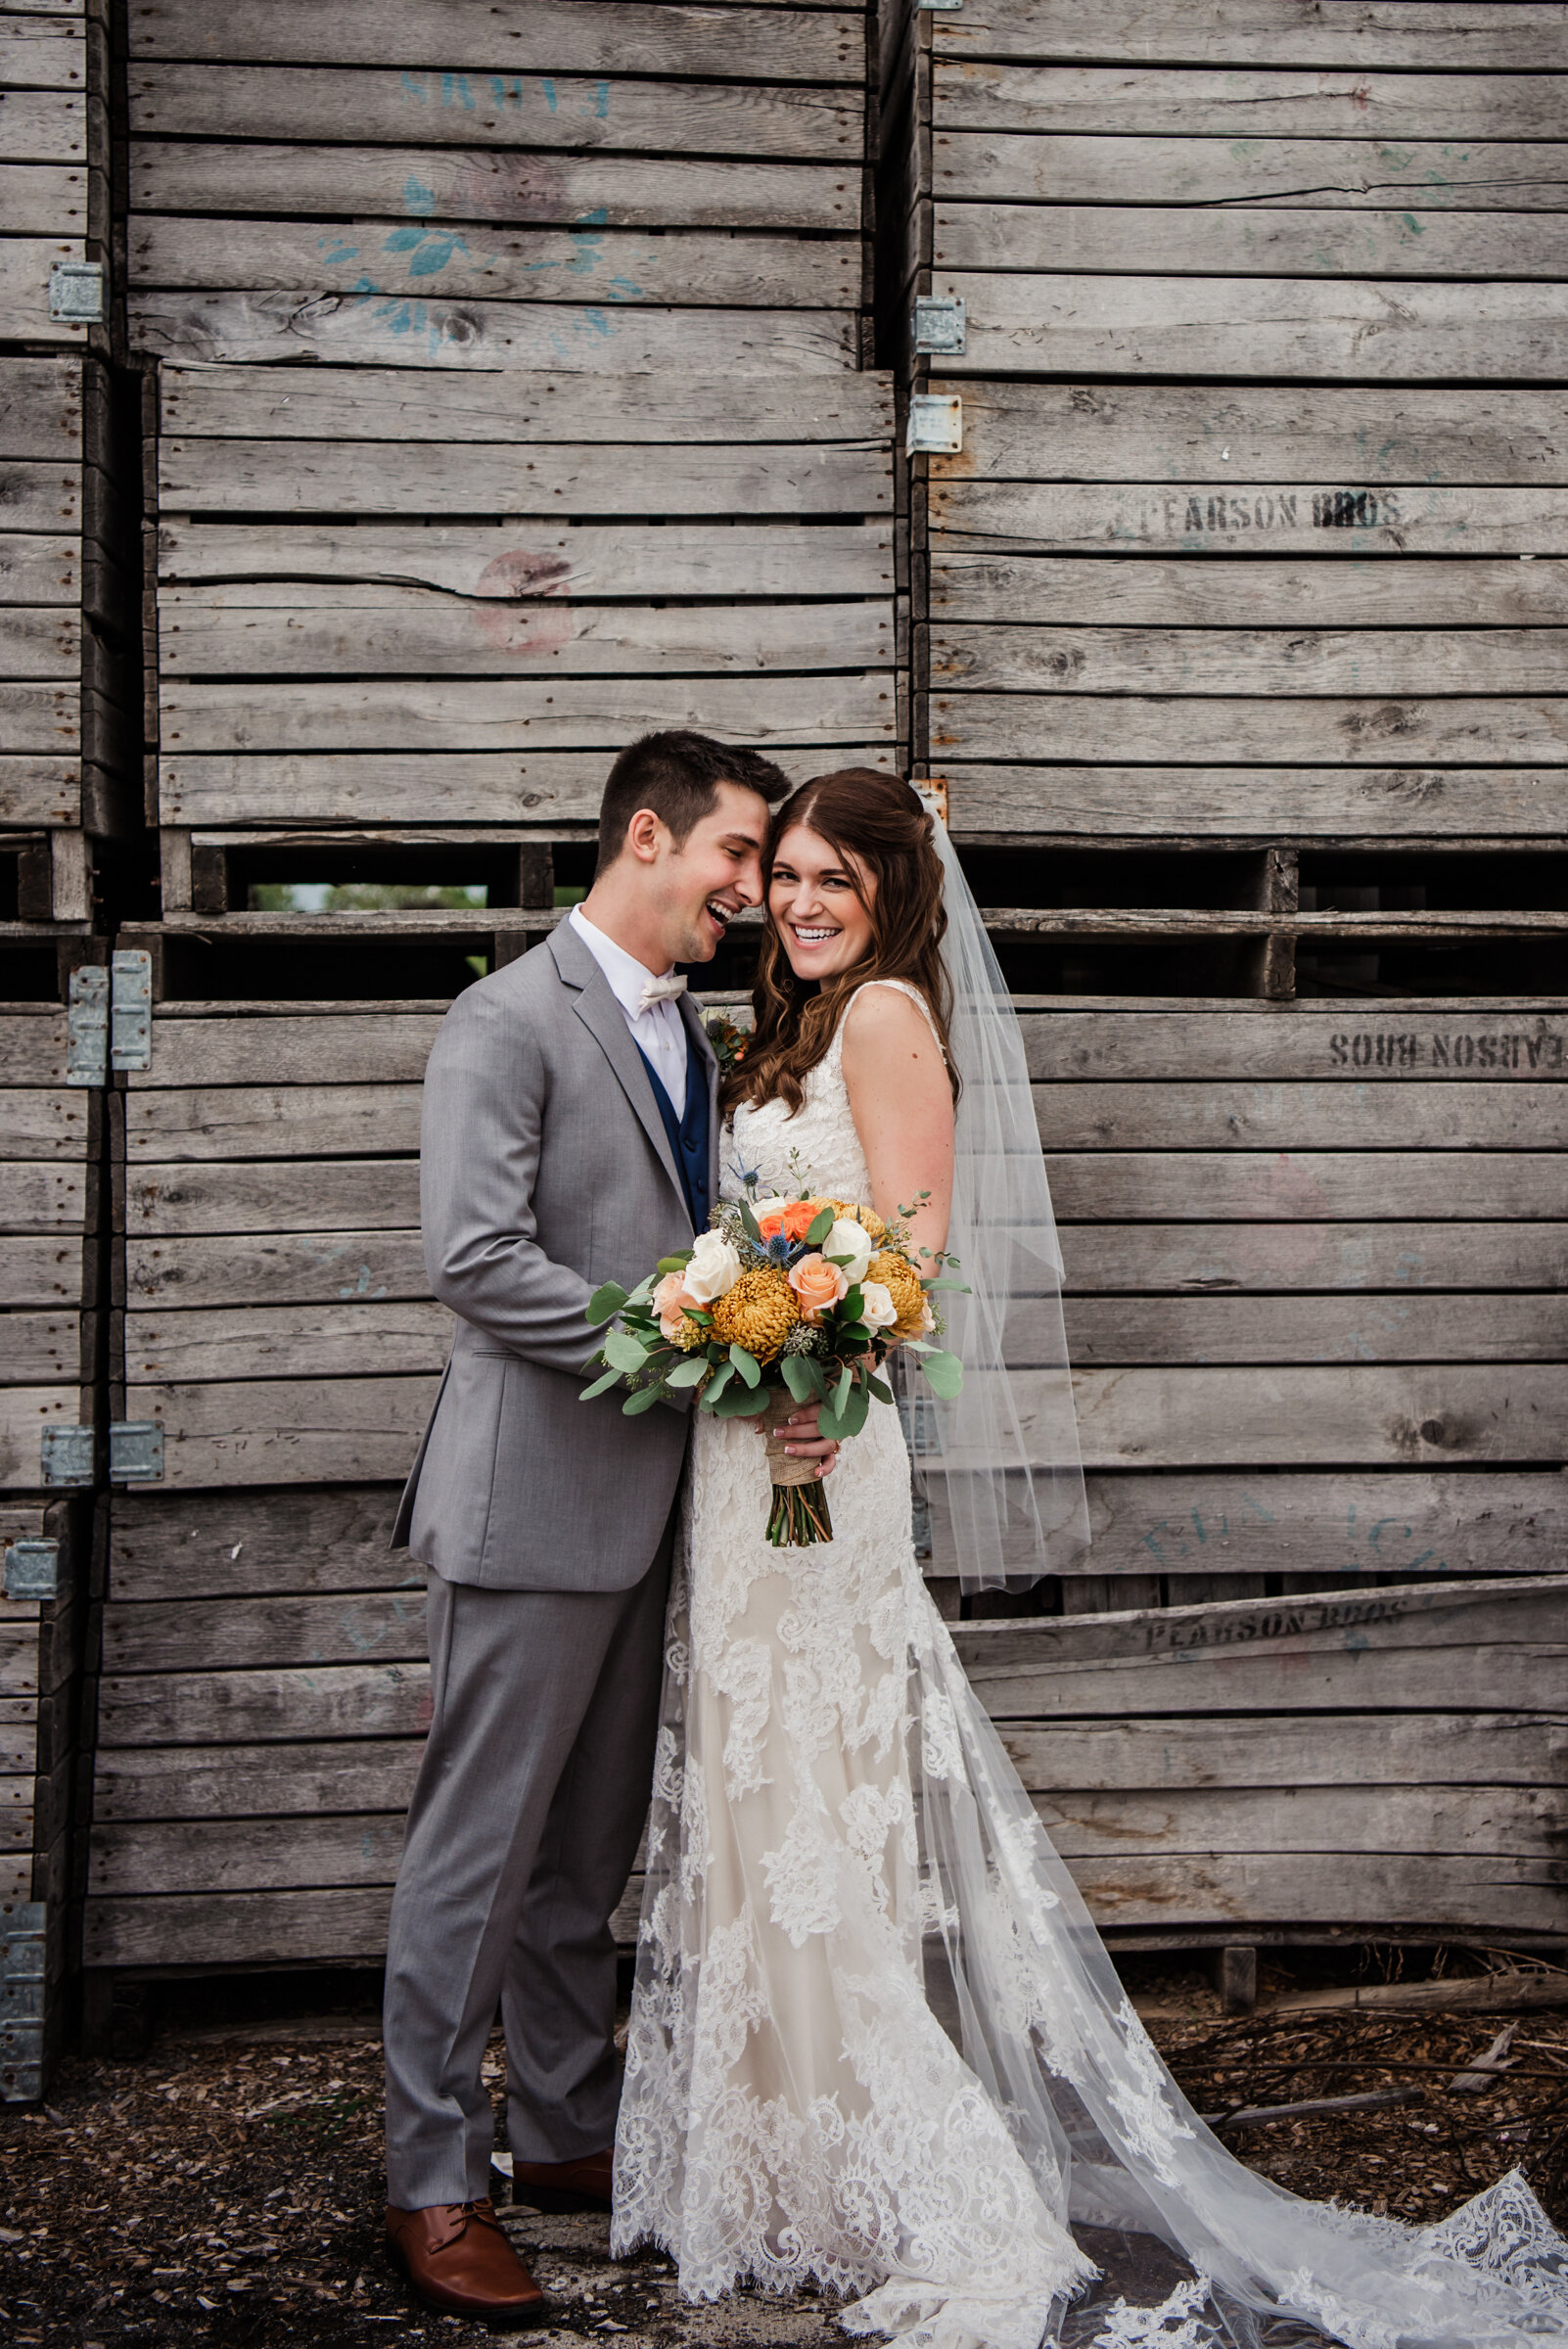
<point x="670" y="1303"/>
<point x="817" y="1284"/>
<point x="795" y="1221"/>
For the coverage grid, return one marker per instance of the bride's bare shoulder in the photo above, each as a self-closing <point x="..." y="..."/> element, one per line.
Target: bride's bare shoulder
<point x="885" y="1019"/>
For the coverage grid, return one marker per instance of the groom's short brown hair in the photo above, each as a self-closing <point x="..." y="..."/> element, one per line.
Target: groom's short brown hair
<point x="677" y="775"/>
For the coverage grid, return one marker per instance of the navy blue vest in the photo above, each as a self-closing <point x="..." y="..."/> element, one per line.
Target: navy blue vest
<point x="688" y="1139"/>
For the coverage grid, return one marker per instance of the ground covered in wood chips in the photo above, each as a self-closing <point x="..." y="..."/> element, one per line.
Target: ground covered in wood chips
<point x="223" y="2186"/>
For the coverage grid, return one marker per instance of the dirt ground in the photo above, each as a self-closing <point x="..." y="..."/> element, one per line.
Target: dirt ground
<point x="223" y="2187"/>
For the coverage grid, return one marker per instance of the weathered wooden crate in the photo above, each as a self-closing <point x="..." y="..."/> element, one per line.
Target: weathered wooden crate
<point x="1386" y="1764"/>
<point x="426" y="611"/>
<point x="557" y="186"/>
<point x="54" y="169"/>
<point x="67" y="600"/>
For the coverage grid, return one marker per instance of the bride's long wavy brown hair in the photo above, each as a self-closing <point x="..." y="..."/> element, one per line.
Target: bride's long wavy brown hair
<point x="876" y="825"/>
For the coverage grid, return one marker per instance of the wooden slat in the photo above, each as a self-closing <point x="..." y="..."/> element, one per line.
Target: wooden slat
<point x="283" y="1196"/>
<point x="1365" y="732"/>
<point x="476" y="786"/>
<point x="43" y="126"/>
<point x="39" y="568"/>
<point x="39" y="717"/>
<point x="276" y="477"/>
<point x="203" y="1546"/>
<point x="338" y="1701"/>
<point x="289" y="1431"/>
<point x="1359" y="174"/>
<point x="511" y="111"/>
<point x="409" y="632"/>
<point x="327" y="1119"/>
<point x="32" y="1044"/>
<point x="25" y="1413"/>
<point x="38" y="1271"/>
<point x="317" y="1341"/>
<point x="1450" y="1750"/>
<point x="448" y="184"/>
<point x="43" y="1122"/>
<point x="1362" y="329"/>
<point x="1234" y="661"/>
<point x="41" y="494"/>
<point x="43" y="200"/>
<point x="1412" y="1521"/>
<point x="1519" y="37"/>
<point x="1188" y="1418"/>
<point x="221" y="1044"/>
<point x="1258" y="521"/>
<point x="38" y="1197"/>
<point x="365" y="329"/>
<point x="325" y="1266"/>
<point x="1119" y="1259"/>
<point x="25" y="266"/>
<point x="1307" y="1186"/>
<point x="1050" y="588"/>
<point x="1090" y="800"/>
<point x="40" y="407"/>
<point x="552" y="36"/>
<point x="42" y="644"/>
<point x="1367" y="1042"/>
<point x="1244" y="241"/>
<point x="41" y="1348"/>
<point x="1205" y="102"/>
<point x="403" y="404"/>
<point x="486" y="564"/>
<point x="40" y="54"/>
<point x="711" y="269"/>
<point x="505" y="713"/>
<point x="243" y="1633"/>
<point x="1101" y="1331"/>
<point x="254" y="1928"/>
<point x="207" y="1856"/>
<point x="1262" y="433"/>
<point x="256" y="1781"/>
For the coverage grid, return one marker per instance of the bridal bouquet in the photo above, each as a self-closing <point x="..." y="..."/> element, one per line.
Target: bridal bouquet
<point x="780" y="1302"/>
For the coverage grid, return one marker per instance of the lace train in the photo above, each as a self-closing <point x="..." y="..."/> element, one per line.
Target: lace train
<point x="876" y="2043"/>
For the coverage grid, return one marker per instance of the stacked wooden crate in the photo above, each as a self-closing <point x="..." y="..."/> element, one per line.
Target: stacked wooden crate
<point x="1238" y="622"/>
<point x="589" y="449"/>
<point x="65" y="600"/>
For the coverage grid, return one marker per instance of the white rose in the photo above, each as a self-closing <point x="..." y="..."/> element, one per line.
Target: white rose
<point x="767" y="1207"/>
<point x="714" y="1271"/>
<point x="850" y="1239"/>
<point x="877" y="1308"/>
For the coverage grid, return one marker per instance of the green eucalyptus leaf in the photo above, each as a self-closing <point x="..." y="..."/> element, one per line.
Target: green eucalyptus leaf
<point x="642" y="1401"/>
<point x="796" y="1376"/>
<point x="688" y="1373"/>
<point x="945" y="1373"/>
<point x="626" y="1353"/>
<point x="748" y="1223"/>
<point x="880" y="1389"/>
<point x="718" y="1382"/>
<point x="607" y="1299"/>
<point x="747" y="1365"/>
<point x="609" y="1378"/>
<point x="818" y="1230"/>
<point x="675" y="1264"/>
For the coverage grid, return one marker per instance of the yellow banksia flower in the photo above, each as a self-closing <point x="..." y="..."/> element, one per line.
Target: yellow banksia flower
<point x="758" y="1312"/>
<point x="903" y="1284"/>
<point x="869" y="1221"/>
<point x="690" y="1334"/>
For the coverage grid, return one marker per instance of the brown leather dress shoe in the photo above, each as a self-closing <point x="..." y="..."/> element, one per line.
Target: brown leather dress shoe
<point x="457" y="2259"/>
<point x="582" y="2185"/>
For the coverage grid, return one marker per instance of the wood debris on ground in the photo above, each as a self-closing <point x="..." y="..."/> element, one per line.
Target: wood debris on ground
<point x="225" y="2190"/>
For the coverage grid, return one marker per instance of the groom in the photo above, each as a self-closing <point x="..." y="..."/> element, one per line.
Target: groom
<point x="569" y="1137"/>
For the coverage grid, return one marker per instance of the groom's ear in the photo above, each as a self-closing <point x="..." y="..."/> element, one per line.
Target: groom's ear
<point x="647" y="836"/>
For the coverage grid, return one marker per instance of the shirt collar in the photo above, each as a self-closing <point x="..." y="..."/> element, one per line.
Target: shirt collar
<point x="626" y="975"/>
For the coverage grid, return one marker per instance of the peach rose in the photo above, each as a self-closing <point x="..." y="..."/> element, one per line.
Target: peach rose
<point x="669" y="1300"/>
<point x="817" y="1284"/>
<point x="794" y="1220"/>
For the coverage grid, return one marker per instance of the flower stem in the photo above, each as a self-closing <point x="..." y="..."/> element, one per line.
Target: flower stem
<point x="798" y="1516"/>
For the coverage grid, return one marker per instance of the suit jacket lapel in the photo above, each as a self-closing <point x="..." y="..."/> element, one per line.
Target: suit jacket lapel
<point x="596" y="1007"/>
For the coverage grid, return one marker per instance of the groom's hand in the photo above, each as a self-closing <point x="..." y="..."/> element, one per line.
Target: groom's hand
<point x="803" y="1443"/>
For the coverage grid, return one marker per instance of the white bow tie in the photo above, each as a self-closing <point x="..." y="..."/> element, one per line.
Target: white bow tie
<point x="660" y="990"/>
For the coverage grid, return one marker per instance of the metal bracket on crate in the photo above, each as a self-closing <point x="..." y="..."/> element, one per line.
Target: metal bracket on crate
<point x="935" y="425"/>
<point x="938" y="326"/>
<point x="135" y="1451"/>
<point x="932" y="794"/>
<point x="23" y="1971"/>
<point x="69" y="1455"/>
<point x="33" y="1570"/>
<point x="87" y="1026"/>
<point x="130" y="1010"/>
<point x="76" y="292"/>
<point x="932" y="8"/>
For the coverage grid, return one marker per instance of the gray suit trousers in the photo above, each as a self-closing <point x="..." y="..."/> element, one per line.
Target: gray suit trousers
<point x="522" y="1830"/>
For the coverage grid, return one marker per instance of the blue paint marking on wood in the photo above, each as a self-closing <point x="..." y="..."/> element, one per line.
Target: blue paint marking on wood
<point x="417" y="197"/>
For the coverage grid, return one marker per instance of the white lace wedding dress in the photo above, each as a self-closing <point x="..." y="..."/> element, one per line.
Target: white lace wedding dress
<point x="839" y="1855"/>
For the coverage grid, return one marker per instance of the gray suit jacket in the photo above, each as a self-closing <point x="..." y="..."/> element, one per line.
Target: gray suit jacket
<point x="544" y="1169"/>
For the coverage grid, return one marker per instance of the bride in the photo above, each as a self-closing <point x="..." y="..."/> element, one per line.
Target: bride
<point x="876" y="2044"/>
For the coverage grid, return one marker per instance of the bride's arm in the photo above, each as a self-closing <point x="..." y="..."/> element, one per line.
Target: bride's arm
<point x="902" y="1104"/>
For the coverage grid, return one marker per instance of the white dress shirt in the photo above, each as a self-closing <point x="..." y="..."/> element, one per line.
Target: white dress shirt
<point x="660" y="1030"/>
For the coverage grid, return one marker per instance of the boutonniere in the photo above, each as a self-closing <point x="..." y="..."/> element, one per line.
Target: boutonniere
<point x="728" y="1040"/>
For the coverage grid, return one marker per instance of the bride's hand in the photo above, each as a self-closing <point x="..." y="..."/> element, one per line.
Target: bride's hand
<point x="803" y="1443"/>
